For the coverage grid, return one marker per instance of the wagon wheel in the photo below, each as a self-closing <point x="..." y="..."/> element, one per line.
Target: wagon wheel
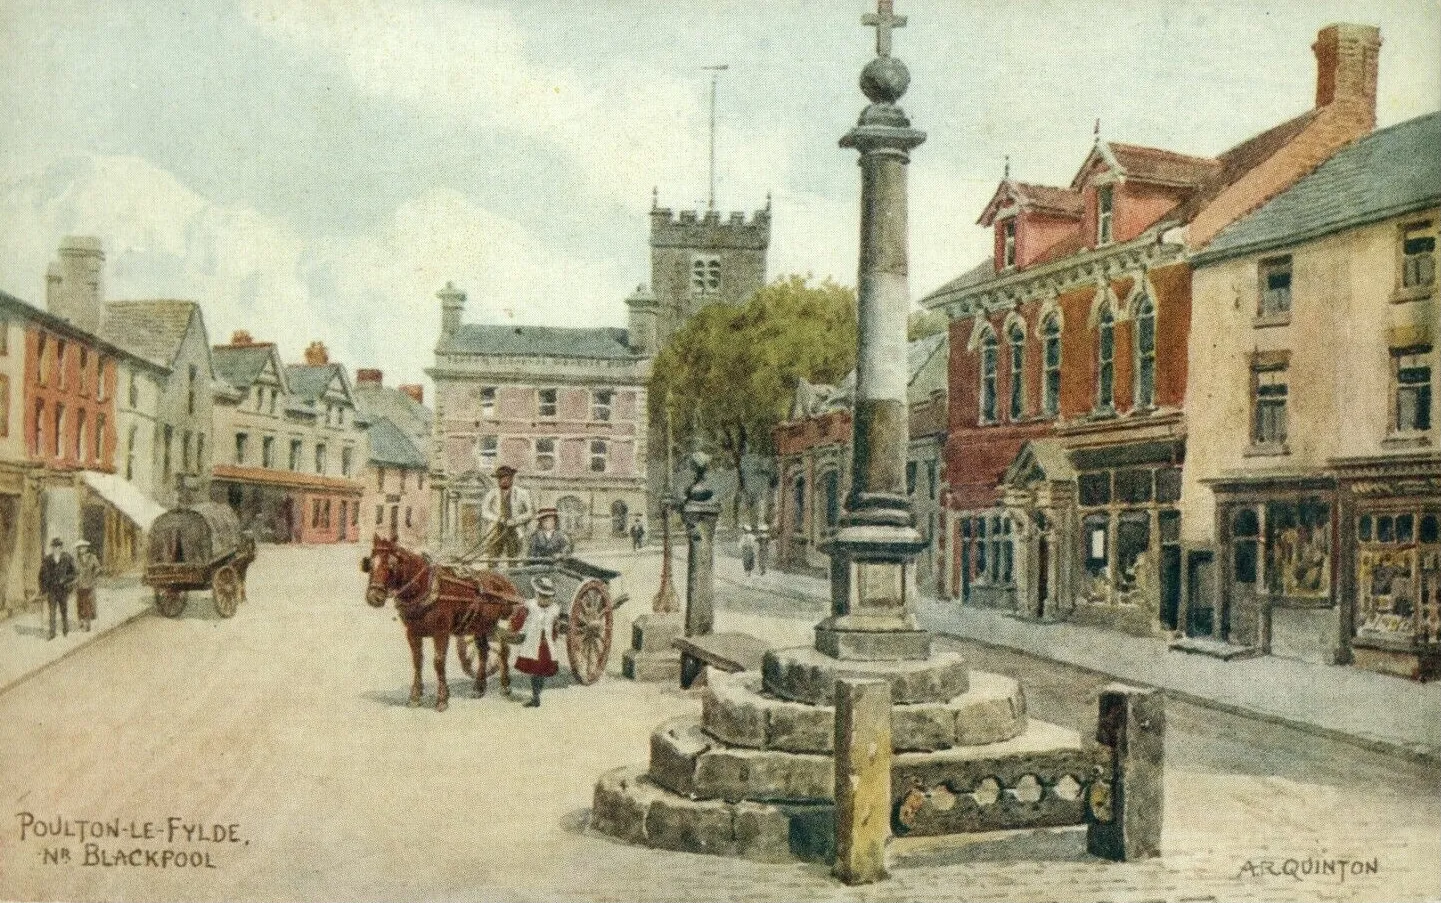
<point x="587" y="638"/>
<point x="227" y="588"/>
<point x="170" y="601"/>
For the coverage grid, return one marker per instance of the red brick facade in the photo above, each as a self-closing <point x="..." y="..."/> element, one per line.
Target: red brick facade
<point x="69" y="401"/>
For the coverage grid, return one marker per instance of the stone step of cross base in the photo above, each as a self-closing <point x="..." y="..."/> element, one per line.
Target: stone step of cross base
<point x="1030" y="780"/>
<point x="650" y="666"/>
<point x="736" y="710"/>
<point x="802" y="674"/>
<point x="630" y="807"/>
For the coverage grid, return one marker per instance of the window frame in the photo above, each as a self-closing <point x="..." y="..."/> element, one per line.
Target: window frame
<point x="546" y="461"/>
<point x="601" y="411"/>
<point x="602" y="456"/>
<point x="242" y="443"/>
<point x="1008" y="243"/>
<point x="705" y="275"/>
<point x="548" y="410"/>
<point x="1270" y="374"/>
<point x="1419" y="357"/>
<point x="1145" y="370"/>
<point x="1268" y="311"/>
<point x="1016" y="403"/>
<point x="1105" y="214"/>
<point x="487" y="401"/>
<point x="1407" y="287"/>
<point x="1051" y="375"/>
<point x="1106" y="360"/>
<point x="989" y="401"/>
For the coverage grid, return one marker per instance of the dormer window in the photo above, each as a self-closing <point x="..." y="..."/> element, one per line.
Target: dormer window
<point x="1104" y="201"/>
<point x="1008" y="243"/>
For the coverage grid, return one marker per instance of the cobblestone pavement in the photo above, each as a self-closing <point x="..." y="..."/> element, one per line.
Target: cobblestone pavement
<point x="289" y="723"/>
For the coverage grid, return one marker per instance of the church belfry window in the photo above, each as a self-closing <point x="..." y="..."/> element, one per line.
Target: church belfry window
<point x="705" y="275"/>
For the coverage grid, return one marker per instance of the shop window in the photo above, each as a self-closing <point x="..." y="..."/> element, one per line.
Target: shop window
<point x="981" y="547"/>
<point x="1428" y="528"/>
<point x="988" y="376"/>
<point x="1017" y="339"/>
<point x="1298" y="548"/>
<point x="1168" y="485"/>
<point x="1096" y="488"/>
<point x="1133" y="541"/>
<point x="1275" y="276"/>
<point x="1106" y="360"/>
<point x="1146" y="353"/>
<point x="1133" y="486"/>
<point x="1405" y="528"/>
<point x="1051" y="348"/>
<point x="1411" y="379"/>
<point x="1245" y="539"/>
<point x="1096" y="534"/>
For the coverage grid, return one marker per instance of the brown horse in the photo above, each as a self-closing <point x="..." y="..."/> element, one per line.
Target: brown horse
<point x="438" y="602"/>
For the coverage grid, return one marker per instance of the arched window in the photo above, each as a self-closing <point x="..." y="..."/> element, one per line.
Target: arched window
<point x="988" y="376"/>
<point x="798" y="520"/>
<point x="1017" y="339"/>
<point x="1051" y="351"/>
<point x="1106" y="360"/>
<point x="1146" y="353"/>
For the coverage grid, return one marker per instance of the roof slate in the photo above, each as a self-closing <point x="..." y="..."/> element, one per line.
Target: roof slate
<point x="538" y="341"/>
<point x="375" y="402"/>
<point x="389" y="445"/>
<point x="1160" y="165"/>
<point x="152" y="330"/>
<point x="309" y="381"/>
<point x="239" y="365"/>
<point x="1385" y="174"/>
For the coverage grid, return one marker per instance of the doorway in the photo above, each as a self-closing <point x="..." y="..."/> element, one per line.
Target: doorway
<point x="1200" y="607"/>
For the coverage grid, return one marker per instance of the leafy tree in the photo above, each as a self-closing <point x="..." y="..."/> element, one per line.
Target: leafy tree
<point x="924" y="323"/>
<point x="729" y="374"/>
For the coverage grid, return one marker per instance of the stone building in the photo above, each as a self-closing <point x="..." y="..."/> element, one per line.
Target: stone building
<point x="813" y="450"/>
<point x="566" y="407"/>
<point x="1069" y="360"/>
<point x="1310" y="520"/>
<point x="164" y="419"/>
<point x="398" y="429"/>
<point x="292" y="446"/>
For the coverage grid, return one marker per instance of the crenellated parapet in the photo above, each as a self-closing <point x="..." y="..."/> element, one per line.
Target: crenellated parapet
<point x="709" y="229"/>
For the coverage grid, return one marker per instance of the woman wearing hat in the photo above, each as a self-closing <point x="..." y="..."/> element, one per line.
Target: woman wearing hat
<point x="87" y="572"/>
<point x="548" y="541"/>
<point x="538" y="624"/>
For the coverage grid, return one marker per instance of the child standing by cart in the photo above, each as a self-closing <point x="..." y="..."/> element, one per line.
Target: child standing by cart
<point x="538" y="624"/>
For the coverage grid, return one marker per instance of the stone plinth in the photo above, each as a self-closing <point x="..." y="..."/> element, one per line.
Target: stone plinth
<point x="805" y="675"/>
<point x="651" y="656"/>
<point x="862" y="779"/>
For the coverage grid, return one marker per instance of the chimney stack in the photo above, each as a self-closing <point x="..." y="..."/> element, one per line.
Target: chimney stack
<point x="240" y="338"/>
<point x="316" y="355"/>
<point x="452" y="303"/>
<point x="369" y="376"/>
<point x="415" y="391"/>
<point x="1346" y="59"/>
<point x="75" y="282"/>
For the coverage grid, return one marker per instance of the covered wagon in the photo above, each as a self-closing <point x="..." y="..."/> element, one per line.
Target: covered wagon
<point x="198" y="547"/>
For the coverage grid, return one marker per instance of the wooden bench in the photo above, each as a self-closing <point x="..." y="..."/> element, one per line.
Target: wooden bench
<point x="729" y="652"/>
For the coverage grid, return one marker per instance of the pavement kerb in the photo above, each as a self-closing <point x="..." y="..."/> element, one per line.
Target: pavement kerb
<point x="1423" y="755"/>
<point x="94" y="638"/>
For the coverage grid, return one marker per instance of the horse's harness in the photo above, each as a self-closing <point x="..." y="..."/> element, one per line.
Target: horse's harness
<point x="416" y="607"/>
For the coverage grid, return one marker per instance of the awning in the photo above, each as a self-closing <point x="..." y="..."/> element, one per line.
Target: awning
<point x="125" y="498"/>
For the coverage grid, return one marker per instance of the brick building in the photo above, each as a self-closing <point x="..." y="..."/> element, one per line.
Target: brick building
<point x="1069" y="360"/>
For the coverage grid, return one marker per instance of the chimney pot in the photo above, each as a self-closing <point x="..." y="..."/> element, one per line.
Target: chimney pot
<point x="415" y="391"/>
<point x="369" y="376"/>
<point x="241" y="338"/>
<point x="316" y="355"/>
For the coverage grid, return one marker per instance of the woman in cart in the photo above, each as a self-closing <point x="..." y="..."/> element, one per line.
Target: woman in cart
<point x="538" y="624"/>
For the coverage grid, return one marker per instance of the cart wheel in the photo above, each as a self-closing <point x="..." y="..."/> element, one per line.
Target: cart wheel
<point x="587" y="638"/>
<point x="225" y="586"/>
<point x="171" y="602"/>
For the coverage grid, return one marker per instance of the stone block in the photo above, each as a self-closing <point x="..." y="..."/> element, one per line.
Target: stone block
<point x="805" y="675"/>
<point x="862" y="779"/>
<point x="877" y="645"/>
<point x="762" y="833"/>
<point x="736" y="774"/>
<point x="923" y="726"/>
<point x="1131" y="729"/>
<point x="795" y="727"/>
<point x="622" y="798"/>
<point x="691" y="826"/>
<point x="651" y="667"/>
<point x="674" y="748"/>
<point x="993" y="710"/>
<point x="655" y="632"/>
<point x="731" y="712"/>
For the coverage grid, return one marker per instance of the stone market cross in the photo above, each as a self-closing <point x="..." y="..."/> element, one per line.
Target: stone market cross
<point x="883" y="20"/>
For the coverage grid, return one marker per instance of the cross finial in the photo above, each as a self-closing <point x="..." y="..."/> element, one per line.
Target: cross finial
<point x="884" y="19"/>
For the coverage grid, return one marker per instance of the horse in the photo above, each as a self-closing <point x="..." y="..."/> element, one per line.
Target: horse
<point x="438" y="602"/>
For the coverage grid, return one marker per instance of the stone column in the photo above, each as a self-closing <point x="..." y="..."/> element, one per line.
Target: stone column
<point x="700" y="514"/>
<point x="872" y="614"/>
<point x="1126" y="805"/>
<point x="863" y="779"/>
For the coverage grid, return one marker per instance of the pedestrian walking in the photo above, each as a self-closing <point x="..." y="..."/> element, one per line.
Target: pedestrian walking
<point x="57" y="576"/>
<point x="637" y="534"/>
<point x="87" y="574"/>
<point x="748" y="548"/>
<point x="538" y="624"/>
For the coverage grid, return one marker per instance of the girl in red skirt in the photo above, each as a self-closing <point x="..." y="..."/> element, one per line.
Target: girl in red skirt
<point x="539" y="625"/>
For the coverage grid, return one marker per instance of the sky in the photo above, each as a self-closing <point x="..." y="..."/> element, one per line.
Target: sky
<point x="319" y="169"/>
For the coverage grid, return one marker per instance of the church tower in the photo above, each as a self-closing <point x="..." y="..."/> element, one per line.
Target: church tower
<point x="697" y="259"/>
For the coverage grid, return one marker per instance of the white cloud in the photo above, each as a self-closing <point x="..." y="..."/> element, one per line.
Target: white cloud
<point x="370" y="296"/>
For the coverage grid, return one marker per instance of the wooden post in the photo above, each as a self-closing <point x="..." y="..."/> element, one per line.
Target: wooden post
<point x="1125" y="804"/>
<point x="863" y="779"/>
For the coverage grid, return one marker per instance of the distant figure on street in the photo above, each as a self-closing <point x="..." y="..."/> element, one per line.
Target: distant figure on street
<point x="548" y="541"/>
<point x="538" y="624"/>
<point x="763" y="546"/>
<point x="637" y="534"/>
<point x="508" y="511"/>
<point x="87" y="573"/>
<point x="57" y="576"/>
<point x="748" y="548"/>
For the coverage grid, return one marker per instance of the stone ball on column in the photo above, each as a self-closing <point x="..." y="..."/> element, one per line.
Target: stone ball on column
<point x="885" y="79"/>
